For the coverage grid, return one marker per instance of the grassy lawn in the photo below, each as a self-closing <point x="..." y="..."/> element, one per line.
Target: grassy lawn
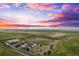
<point x="68" y="46"/>
<point x="4" y="51"/>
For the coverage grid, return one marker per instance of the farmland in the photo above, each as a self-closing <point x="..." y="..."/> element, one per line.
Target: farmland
<point x="48" y="42"/>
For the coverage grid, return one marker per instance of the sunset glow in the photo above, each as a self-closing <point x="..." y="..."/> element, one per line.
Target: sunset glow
<point x="24" y="15"/>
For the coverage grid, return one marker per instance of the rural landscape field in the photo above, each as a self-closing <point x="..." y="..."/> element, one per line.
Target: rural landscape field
<point x="39" y="43"/>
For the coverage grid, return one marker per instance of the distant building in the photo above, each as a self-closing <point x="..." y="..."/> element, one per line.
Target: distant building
<point x="28" y="46"/>
<point x="12" y="41"/>
<point x="23" y="45"/>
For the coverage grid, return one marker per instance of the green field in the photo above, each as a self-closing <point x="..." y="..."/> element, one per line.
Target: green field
<point x="66" y="45"/>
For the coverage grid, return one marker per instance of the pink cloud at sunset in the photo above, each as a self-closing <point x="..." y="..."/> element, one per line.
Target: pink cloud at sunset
<point x="76" y="9"/>
<point x="47" y="23"/>
<point x="40" y="6"/>
<point x="66" y="7"/>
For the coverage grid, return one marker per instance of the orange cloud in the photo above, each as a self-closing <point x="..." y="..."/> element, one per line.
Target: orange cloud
<point x="56" y="15"/>
<point x="7" y="26"/>
<point x="14" y="26"/>
<point x="40" y="6"/>
<point x="4" y="24"/>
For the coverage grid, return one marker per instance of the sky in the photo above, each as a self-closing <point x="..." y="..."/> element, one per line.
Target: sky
<point x="39" y="15"/>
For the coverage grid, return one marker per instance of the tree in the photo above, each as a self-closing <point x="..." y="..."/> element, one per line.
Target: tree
<point x="44" y="53"/>
<point x="28" y="49"/>
<point x="49" y="52"/>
